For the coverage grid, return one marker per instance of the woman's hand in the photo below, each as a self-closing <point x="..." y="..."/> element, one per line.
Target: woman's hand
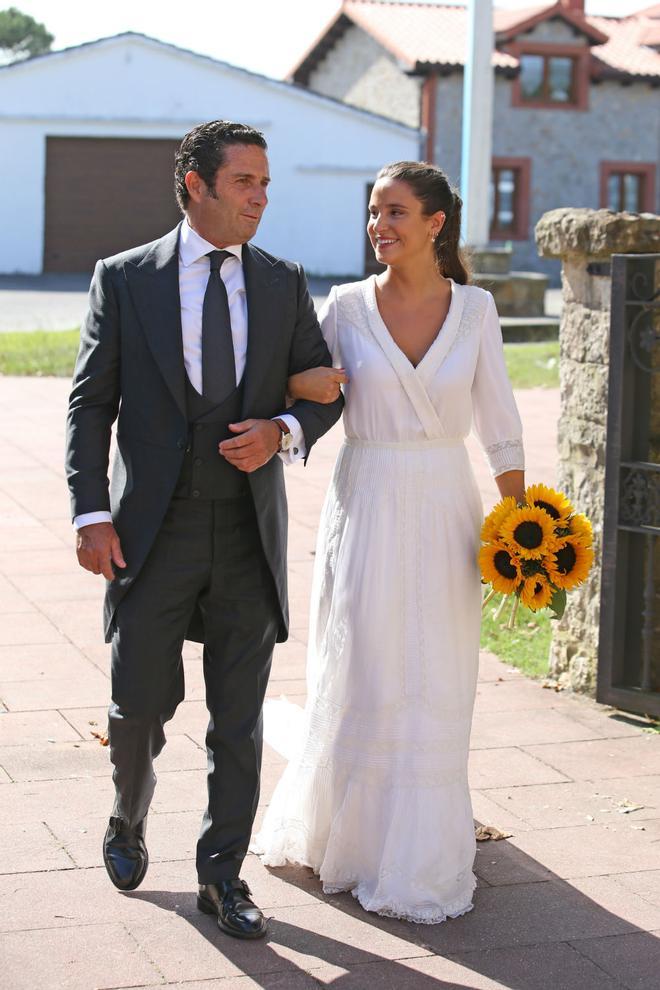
<point x="317" y="384"/>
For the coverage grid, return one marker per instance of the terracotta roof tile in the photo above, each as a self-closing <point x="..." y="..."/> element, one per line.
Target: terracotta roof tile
<point x="626" y="52"/>
<point x="418" y="32"/>
<point x="434" y="34"/>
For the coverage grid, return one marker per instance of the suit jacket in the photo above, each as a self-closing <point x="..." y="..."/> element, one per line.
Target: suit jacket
<point x="130" y="368"/>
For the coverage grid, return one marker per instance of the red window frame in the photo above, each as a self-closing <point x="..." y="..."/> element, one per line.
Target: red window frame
<point x="645" y="170"/>
<point x="580" y="56"/>
<point x="520" y="229"/>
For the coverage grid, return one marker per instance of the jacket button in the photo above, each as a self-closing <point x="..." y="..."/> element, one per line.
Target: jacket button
<point x="295" y="451"/>
<point x="196" y="493"/>
<point x="198" y="461"/>
<point x="181" y="444"/>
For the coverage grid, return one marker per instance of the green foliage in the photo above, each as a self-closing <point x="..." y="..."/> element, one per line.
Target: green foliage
<point x="40" y="352"/>
<point x="526" y="646"/>
<point x="533" y="365"/>
<point x="21" y="36"/>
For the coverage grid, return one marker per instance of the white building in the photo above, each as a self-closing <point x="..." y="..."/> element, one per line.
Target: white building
<point x="87" y="139"/>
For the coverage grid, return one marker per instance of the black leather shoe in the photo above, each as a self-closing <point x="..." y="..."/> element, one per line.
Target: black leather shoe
<point x="125" y="854"/>
<point x="231" y="902"/>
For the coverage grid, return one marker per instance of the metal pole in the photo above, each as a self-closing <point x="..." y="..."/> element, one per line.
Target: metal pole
<point x="477" y="137"/>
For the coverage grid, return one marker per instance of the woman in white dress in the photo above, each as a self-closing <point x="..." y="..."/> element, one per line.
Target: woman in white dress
<point x="376" y="799"/>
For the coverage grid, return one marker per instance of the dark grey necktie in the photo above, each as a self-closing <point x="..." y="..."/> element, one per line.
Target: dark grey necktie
<point x="218" y="366"/>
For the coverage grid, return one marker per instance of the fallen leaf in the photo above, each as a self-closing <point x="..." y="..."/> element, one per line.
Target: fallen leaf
<point x="625" y="807"/>
<point x="102" y="737"/>
<point x="486" y="832"/>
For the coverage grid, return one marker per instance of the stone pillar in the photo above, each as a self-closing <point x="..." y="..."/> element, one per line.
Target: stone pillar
<point x="585" y="240"/>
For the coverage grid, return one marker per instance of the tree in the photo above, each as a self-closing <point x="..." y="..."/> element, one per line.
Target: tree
<point x="21" y="36"/>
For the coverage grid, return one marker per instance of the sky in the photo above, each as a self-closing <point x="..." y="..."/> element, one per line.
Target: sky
<point x="267" y="36"/>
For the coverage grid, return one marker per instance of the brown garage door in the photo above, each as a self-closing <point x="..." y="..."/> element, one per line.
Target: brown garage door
<point x="105" y="195"/>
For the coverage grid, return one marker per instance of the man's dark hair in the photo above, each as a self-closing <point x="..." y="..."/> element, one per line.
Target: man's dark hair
<point x="203" y="151"/>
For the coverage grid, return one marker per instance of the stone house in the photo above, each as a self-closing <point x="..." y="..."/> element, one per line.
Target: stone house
<point x="576" y="101"/>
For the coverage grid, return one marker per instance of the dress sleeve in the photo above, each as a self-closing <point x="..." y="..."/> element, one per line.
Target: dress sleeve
<point x="328" y="321"/>
<point x="495" y="417"/>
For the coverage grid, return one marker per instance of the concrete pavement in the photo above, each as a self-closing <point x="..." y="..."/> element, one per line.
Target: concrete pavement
<point x="571" y="901"/>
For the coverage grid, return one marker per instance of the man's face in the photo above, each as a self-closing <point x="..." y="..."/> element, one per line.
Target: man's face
<point x="230" y="211"/>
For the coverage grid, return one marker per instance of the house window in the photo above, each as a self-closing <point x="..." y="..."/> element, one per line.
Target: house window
<point x="551" y="76"/>
<point x="509" y="199"/>
<point x="627" y="186"/>
<point x="548" y="79"/>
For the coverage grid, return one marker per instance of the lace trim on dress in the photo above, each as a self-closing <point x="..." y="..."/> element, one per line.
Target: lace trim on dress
<point x="495" y="448"/>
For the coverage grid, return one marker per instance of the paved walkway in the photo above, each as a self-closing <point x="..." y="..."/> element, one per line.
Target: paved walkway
<point x="569" y="902"/>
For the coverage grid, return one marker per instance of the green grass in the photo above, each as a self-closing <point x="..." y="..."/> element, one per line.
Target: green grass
<point x="44" y="352"/>
<point x="526" y="646"/>
<point x="533" y="365"/>
<point x="39" y="352"/>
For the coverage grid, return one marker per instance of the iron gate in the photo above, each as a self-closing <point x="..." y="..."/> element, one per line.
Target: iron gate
<point x="629" y="643"/>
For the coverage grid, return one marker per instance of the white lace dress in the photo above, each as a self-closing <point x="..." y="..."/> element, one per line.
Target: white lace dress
<point x="376" y="798"/>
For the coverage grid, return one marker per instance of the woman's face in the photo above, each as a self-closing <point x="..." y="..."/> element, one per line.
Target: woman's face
<point x="398" y="229"/>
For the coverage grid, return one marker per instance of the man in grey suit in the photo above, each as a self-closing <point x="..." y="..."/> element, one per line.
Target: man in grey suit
<point x="188" y="343"/>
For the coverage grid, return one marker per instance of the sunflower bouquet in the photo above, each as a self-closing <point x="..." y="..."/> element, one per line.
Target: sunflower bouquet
<point x="536" y="550"/>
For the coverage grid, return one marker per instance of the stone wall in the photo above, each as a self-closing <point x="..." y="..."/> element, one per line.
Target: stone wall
<point x="362" y="73"/>
<point x="578" y="238"/>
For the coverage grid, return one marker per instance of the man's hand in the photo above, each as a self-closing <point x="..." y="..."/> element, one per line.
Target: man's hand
<point x="258" y="441"/>
<point x="98" y="548"/>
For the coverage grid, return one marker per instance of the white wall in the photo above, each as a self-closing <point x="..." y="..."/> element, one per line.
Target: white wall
<point x="322" y="154"/>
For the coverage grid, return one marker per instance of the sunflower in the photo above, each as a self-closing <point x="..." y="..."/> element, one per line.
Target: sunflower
<point x="500" y="568"/>
<point x="570" y="563"/>
<point x="580" y="527"/>
<point x="536" y="592"/>
<point x="554" y="503"/>
<point x="493" y="521"/>
<point x="529" y="532"/>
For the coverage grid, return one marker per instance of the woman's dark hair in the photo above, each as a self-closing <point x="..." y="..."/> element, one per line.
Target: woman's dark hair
<point x="430" y="186"/>
<point x="203" y="151"/>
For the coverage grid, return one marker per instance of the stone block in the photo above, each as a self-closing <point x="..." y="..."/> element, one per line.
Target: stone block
<point x="632" y="960"/>
<point x="35" y="729"/>
<point x="509" y="767"/>
<point x="583" y="391"/>
<point x="31" y="847"/>
<point x="590" y="849"/>
<point x="583" y="287"/>
<point x="585" y="335"/>
<point x="517" y="293"/>
<point x="602" y="758"/>
<point x="490" y="730"/>
<point x="532" y="967"/>
<point x="90" y="955"/>
<point x="596" y="233"/>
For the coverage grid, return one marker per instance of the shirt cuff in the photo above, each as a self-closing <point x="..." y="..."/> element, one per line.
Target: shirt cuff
<point x="507" y="455"/>
<point x="298" y="450"/>
<point x="89" y="518"/>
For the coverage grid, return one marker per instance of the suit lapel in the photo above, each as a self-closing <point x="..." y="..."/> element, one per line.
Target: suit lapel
<point x="264" y="288"/>
<point x="154" y="286"/>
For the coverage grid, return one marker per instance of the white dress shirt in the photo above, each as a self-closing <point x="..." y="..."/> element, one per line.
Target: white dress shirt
<point x="194" y="269"/>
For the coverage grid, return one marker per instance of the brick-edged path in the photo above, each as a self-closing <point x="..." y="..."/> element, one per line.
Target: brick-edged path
<point x="571" y="900"/>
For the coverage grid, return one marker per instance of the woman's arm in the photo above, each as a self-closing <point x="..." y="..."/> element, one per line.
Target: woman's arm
<point x="512" y="483"/>
<point x="317" y="384"/>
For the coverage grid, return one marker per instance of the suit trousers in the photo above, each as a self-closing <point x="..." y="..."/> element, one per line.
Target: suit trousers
<point x="207" y="555"/>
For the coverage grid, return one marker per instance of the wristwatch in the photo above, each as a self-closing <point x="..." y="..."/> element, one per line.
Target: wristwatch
<point x="286" y="437"/>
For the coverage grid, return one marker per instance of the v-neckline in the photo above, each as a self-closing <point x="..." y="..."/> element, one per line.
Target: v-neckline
<point x="439" y="346"/>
